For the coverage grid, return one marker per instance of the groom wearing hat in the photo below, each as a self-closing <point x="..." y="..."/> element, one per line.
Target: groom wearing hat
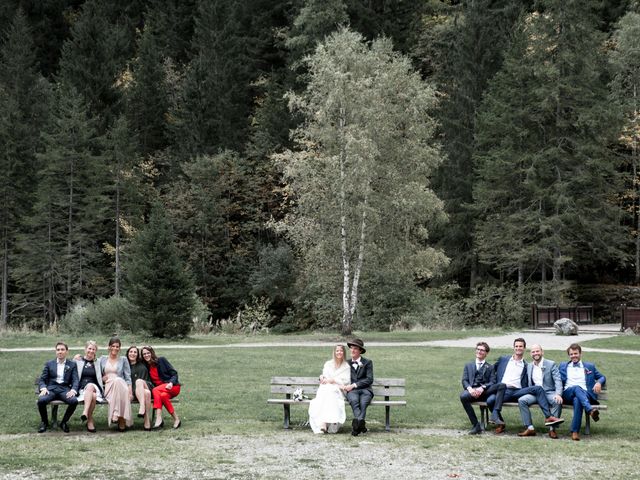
<point x="359" y="393"/>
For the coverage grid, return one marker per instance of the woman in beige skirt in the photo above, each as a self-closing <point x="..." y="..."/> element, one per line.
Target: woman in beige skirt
<point x="116" y="376"/>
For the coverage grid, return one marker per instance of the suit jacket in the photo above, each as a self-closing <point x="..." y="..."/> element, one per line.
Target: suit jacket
<point x="166" y="371"/>
<point x="50" y="372"/>
<point x="551" y="381"/>
<point x="96" y="363"/>
<point x="591" y="376"/>
<point x="501" y="366"/>
<point x="469" y="374"/>
<point x="123" y="369"/>
<point x="362" y="376"/>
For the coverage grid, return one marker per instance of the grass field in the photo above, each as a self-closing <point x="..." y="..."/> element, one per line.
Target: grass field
<point x="226" y="421"/>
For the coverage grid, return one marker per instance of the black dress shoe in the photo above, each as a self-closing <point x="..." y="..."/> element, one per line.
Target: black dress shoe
<point x="64" y="426"/>
<point x="43" y="427"/>
<point x="363" y="427"/>
<point x="355" y="427"/>
<point x="476" y="430"/>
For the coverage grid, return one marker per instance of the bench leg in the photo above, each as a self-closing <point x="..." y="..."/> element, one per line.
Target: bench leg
<point x="54" y="416"/>
<point x="387" y="422"/>
<point x="287" y="415"/>
<point x="587" y="423"/>
<point x="484" y="417"/>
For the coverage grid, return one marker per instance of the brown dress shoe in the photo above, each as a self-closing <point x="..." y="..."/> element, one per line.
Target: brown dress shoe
<point x="553" y="421"/>
<point x="527" y="432"/>
<point x="575" y="436"/>
<point x="500" y="429"/>
<point x="553" y="434"/>
<point x="595" y="414"/>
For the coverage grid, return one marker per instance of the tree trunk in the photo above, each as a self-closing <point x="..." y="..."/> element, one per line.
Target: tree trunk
<point x="636" y="187"/>
<point x="5" y="282"/>
<point x="116" y="289"/>
<point x="346" y="266"/>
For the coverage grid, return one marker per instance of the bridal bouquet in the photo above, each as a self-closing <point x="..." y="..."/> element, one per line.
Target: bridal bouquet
<point x="298" y="395"/>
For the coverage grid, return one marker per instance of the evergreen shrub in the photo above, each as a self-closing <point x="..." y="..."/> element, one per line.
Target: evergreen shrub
<point x="102" y="316"/>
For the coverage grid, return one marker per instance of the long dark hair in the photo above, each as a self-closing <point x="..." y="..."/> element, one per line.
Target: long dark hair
<point x="154" y="357"/>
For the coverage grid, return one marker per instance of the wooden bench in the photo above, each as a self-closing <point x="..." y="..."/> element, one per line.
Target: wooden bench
<point x="485" y="413"/>
<point x="53" y="422"/>
<point x="383" y="388"/>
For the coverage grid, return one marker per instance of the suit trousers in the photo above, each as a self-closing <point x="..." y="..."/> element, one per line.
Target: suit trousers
<point x="581" y="401"/>
<point x="57" y="392"/>
<point x="466" y="399"/>
<point x="527" y="400"/>
<point x="359" y="399"/>
<point x="494" y="402"/>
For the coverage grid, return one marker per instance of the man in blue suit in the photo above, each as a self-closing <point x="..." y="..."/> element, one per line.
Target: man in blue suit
<point x="59" y="381"/>
<point x="545" y="373"/>
<point x="582" y="384"/>
<point x="511" y="375"/>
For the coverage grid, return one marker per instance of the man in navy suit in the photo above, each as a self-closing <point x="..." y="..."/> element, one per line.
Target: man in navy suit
<point x="511" y="375"/>
<point x="582" y="384"/>
<point x="59" y="381"/>
<point x="359" y="393"/>
<point x="478" y="382"/>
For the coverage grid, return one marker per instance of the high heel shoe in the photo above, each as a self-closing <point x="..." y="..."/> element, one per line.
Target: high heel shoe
<point x="177" y="425"/>
<point x="83" y="417"/>
<point x="91" y="430"/>
<point x="158" y="427"/>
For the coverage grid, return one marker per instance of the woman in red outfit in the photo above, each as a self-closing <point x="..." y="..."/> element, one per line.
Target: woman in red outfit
<point x="167" y="386"/>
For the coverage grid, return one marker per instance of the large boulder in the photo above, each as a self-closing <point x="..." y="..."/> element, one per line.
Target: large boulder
<point x="566" y="326"/>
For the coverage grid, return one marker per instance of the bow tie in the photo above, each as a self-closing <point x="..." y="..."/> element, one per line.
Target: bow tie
<point x="576" y="364"/>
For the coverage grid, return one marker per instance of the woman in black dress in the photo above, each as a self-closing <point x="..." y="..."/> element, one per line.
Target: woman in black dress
<point x="141" y="385"/>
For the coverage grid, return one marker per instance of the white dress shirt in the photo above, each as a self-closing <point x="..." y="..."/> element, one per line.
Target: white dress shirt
<point x="575" y="376"/>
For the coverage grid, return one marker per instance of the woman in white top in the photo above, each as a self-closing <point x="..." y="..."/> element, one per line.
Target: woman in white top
<point x="326" y="411"/>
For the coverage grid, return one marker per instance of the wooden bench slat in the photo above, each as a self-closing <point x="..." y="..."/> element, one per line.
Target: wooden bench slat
<point x="291" y="401"/>
<point x="392" y="382"/>
<point x="313" y="389"/>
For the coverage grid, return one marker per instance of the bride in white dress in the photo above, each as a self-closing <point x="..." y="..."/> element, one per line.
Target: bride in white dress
<point x="326" y="410"/>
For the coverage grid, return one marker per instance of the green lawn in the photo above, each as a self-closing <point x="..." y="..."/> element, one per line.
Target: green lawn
<point x="40" y="340"/>
<point x="620" y="342"/>
<point x="225" y="391"/>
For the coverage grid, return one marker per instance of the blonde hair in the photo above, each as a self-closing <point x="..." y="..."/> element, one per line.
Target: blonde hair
<point x="91" y="342"/>
<point x="344" y="354"/>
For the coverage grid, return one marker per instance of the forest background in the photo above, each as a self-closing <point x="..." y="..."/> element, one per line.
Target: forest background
<point x="177" y="166"/>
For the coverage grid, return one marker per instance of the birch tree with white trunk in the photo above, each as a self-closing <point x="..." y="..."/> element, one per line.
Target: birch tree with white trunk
<point x="358" y="180"/>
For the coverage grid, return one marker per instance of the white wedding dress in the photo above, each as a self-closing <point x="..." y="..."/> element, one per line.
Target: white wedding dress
<point x="328" y="405"/>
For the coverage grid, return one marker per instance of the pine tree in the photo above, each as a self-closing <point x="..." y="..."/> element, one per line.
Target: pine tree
<point x="156" y="279"/>
<point x="546" y="178"/>
<point x="473" y="54"/>
<point x="626" y="93"/>
<point x="126" y="190"/>
<point x="23" y="111"/>
<point x="60" y="257"/>
<point x="215" y="103"/>
<point x="148" y="96"/>
<point x="94" y="60"/>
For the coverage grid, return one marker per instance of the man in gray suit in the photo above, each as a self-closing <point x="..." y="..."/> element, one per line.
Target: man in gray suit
<point x="545" y="373"/>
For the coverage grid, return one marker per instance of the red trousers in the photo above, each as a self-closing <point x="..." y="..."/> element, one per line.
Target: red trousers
<point x="162" y="396"/>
